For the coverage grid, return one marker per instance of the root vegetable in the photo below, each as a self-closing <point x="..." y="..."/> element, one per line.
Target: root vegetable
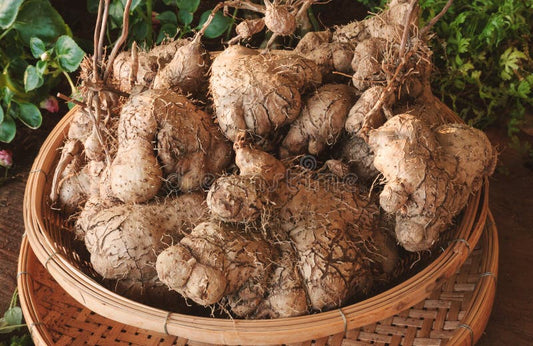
<point x="139" y="67"/>
<point x="187" y="71"/>
<point x="237" y="198"/>
<point x="185" y="142"/>
<point x="213" y="261"/>
<point x="255" y="162"/>
<point x="429" y="175"/>
<point x="321" y="122"/>
<point x="366" y="63"/>
<point x="259" y="93"/>
<point x="124" y="240"/>
<point x="356" y="153"/>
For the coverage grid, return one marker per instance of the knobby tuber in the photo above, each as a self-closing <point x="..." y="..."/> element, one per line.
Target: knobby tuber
<point x="213" y="261"/>
<point x="259" y="92"/>
<point x="188" y="145"/>
<point x="429" y="174"/>
<point x="124" y="240"/>
<point x="321" y="122"/>
<point x="322" y="244"/>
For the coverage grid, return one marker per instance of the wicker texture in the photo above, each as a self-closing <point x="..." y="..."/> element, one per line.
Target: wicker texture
<point x="457" y="311"/>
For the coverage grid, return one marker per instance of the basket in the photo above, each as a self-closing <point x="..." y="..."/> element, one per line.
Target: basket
<point x="456" y="313"/>
<point x="55" y="249"/>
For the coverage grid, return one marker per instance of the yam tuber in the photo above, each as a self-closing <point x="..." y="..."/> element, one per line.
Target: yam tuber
<point x="188" y="145"/>
<point x="321" y="122"/>
<point x="213" y="261"/>
<point x="259" y="93"/>
<point x="429" y="174"/>
<point x="124" y="240"/>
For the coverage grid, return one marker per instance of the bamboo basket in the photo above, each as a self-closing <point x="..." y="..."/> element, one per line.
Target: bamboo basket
<point x="55" y="249"/>
<point x="457" y="313"/>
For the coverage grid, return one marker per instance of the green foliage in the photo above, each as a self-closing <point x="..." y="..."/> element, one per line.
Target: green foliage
<point x="11" y="321"/>
<point x="36" y="48"/>
<point x="483" y="59"/>
<point x="173" y="18"/>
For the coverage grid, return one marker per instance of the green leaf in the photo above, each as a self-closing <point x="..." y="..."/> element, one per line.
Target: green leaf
<point x="139" y="31"/>
<point x="37" y="18"/>
<point x="217" y="27"/>
<point x="8" y="129"/>
<point x="170" y="2"/>
<point x="37" y="47"/>
<point x="8" y="12"/>
<point x="69" y="54"/>
<point x="1" y="114"/>
<point x="188" y="5"/>
<point x="41" y="66"/>
<point x="116" y="11"/>
<point x="168" y="17"/>
<point x="7" y="96"/>
<point x="13" y="316"/>
<point x="30" y="115"/>
<point x="524" y="88"/>
<point x="185" y="17"/>
<point x="32" y="78"/>
<point x="167" y="30"/>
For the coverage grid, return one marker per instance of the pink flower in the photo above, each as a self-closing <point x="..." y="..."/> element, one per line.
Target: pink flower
<point x="50" y="104"/>
<point x="6" y="158"/>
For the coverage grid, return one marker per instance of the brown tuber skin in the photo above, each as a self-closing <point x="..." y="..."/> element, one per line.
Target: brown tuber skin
<point x="187" y="71"/>
<point x="213" y="261"/>
<point x="187" y="145"/>
<point x="329" y="56"/>
<point x="124" y="240"/>
<point x="321" y="264"/>
<point x="430" y="174"/>
<point x="135" y="67"/>
<point x="321" y="122"/>
<point x="259" y="93"/>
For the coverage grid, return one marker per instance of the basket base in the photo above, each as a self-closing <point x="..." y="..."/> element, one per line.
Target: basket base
<point x="457" y="312"/>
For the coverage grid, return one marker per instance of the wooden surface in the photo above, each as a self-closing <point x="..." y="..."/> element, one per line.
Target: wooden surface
<point x="511" y="200"/>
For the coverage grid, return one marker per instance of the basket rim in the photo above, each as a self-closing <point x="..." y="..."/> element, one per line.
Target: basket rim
<point x="225" y="331"/>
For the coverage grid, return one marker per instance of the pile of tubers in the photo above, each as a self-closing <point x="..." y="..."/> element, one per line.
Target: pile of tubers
<point x="275" y="205"/>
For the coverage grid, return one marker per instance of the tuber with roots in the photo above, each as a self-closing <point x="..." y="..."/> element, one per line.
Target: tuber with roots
<point x="213" y="261"/>
<point x="259" y="92"/>
<point x="124" y="240"/>
<point x="322" y="257"/>
<point x="270" y="238"/>
<point x="321" y="122"/>
<point x="429" y="174"/>
<point x="188" y="146"/>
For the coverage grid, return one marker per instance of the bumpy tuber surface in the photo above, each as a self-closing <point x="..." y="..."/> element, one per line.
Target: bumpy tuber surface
<point x="429" y="174"/>
<point x="329" y="56"/>
<point x="259" y="92"/>
<point x="321" y="122"/>
<point x="187" y="142"/>
<point x="124" y="240"/>
<point x="187" y="71"/>
<point x="213" y="261"/>
<point x="137" y="67"/>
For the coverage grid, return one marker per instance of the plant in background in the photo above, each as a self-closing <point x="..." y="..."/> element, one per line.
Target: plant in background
<point x="36" y="50"/>
<point x="152" y="21"/>
<point x="12" y="321"/>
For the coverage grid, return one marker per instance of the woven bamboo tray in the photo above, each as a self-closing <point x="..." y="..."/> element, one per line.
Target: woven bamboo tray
<point x="54" y="248"/>
<point x="456" y="313"/>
